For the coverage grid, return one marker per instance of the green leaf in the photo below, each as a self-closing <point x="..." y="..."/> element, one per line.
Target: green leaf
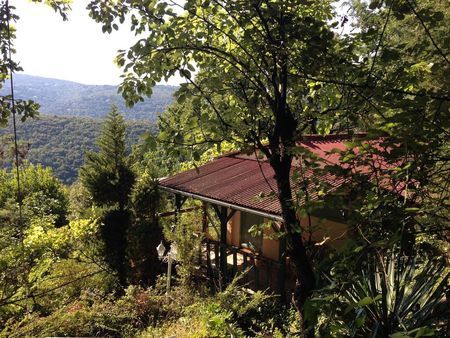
<point x="190" y="67"/>
<point x="358" y="249"/>
<point x="348" y="309"/>
<point x="374" y="4"/>
<point x="365" y="301"/>
<point x="399" y="335"/>
<point x="185" y="73"/>
<point x="196" y="155"/>
<point x="412" y="209"/>
<point x="424" y="332"/>
<point x="150" y="141"/>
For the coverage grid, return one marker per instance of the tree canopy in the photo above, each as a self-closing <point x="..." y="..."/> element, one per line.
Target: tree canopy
<point x="251" y="87"/>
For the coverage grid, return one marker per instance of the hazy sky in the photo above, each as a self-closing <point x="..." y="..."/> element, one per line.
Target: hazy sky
<point x="75" y="50"/>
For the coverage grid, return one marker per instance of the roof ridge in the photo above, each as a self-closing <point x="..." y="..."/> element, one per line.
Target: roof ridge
<point x="317" y="137"/>
<point x="304" y="138"/>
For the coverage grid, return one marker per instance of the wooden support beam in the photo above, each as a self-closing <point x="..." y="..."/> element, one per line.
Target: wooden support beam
<point x="235" y="270"/>
<point x="282" y="272"/>
<point x="216" y="254"/>
<point x="223" y="242"/>
<point x="268" y="274"/>
<point x="179" y="201"/>
<point x="224" y="216"/>
<point x="208" y="257"/>
<point x="204" y="217"/>
<point x="256" y="273"/>
<point x="244" y="267"/>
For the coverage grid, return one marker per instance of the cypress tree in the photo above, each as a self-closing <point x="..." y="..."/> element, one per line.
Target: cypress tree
<point x="106" y="173"/>
<point x="109" y="179"/>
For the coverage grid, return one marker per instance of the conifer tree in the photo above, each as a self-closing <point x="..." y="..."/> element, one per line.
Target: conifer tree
<point x="109" y="179"/>
<point x="106" y="173"/>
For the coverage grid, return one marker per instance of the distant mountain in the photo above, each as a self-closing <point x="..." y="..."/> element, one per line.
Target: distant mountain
<point x="66" y="98"/>
<point x="61" y="142"/>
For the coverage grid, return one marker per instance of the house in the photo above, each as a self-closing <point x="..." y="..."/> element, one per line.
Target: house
<point x="232" y="185"/>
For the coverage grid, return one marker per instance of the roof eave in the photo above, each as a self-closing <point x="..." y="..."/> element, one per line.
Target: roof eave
<point x="271" y="216"/>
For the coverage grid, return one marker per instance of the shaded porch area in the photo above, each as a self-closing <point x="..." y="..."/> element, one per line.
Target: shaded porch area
<point x="259" y="272"/>
<point x="228" y="249"/>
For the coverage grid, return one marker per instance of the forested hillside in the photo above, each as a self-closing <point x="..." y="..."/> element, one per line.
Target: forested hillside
<point x="61" y="142"/>
<point x="66" y="98"/>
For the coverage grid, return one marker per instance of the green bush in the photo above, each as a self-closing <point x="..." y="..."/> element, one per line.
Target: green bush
<point x="185" y="312"/>
<point x="233" y="311"/>
<point x="92" y="314"/>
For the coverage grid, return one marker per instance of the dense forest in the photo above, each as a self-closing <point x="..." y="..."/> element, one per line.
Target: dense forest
<point x="66" y="98"/>
<point x="62" y="142"/>
<point x="117" y="254"/>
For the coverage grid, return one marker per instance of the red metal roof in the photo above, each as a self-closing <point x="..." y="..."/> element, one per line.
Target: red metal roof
<point x="240" y="179"/>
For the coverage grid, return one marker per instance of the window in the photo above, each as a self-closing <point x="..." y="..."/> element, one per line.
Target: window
<point x="247" y="221"/>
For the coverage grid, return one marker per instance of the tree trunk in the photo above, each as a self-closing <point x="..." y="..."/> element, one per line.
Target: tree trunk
<point x="281" y="142"/>
<point x="304" y="274"/>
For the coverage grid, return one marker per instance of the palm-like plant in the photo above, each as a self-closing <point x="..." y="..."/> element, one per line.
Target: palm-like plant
<point x="397" y="296"/>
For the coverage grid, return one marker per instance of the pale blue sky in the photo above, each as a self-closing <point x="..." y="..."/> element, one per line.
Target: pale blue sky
<point x="76" y="50"/>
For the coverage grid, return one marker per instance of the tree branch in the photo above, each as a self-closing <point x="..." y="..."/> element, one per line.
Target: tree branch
<point x="428" y="32"/>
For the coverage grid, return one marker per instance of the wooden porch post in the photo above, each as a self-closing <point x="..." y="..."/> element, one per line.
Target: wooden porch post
<point x="204" y="238"/>
<point x="204" y="218"/>
<point x="179" y="201"/>
<point x="282" y="271"/>
<point x="224" y="217"/>
<point x="223" y="241"/>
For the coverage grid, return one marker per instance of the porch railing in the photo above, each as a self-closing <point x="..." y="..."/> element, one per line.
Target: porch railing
<point x="261" y="273"/>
